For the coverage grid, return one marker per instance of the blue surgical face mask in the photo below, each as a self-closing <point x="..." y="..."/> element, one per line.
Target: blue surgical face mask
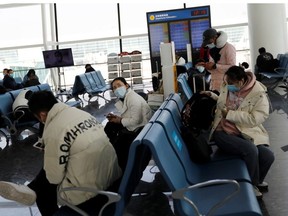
<point x="120" y="92"/>
<point x="200" y="68"/>
<point x="233" y="88"/>
<point x="211" y="45"/>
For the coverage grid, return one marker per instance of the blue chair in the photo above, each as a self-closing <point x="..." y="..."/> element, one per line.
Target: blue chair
<point x="280" y="73"/>
<point x="183" y="87"/>
<point x="214" y="197"/>
<point x="177" y="99"/>
<point x="87" y="83"/>
<point x="196" y="173"/>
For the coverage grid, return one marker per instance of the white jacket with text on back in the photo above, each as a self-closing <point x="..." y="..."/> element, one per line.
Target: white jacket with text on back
<point x="77" y="152"/>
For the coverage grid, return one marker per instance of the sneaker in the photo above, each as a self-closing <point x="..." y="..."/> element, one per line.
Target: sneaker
<point x="263" y="186"/>
<point x="19" y="193"/>
<point x="258" y="194"/>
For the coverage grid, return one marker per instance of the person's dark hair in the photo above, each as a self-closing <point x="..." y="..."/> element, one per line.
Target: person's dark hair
<point x="87" y="66"/>
<point x="245" y="65"/>
<point x="262" y="50"/>
<point x="41" y="101"/>
<point x="31" y="72"/>
<point x="199" y="60"/>
<point x="122" y="79"/>
<point x="236" y="73"/>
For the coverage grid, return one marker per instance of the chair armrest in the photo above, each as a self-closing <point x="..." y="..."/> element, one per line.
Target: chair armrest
<point x="20" y="112"/>
<point x="11" y="125"/>
<point x="180" y="193"/>
<point x="281" y="70"/>
<point x="112" y="197"/>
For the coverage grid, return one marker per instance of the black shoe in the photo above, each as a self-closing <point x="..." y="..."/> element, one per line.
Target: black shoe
<point x="257" y="192"/>
<point x="263" y="187"/>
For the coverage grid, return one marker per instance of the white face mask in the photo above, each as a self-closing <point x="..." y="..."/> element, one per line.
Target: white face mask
<point x="120" y="92"/>
<point x="211" y="45"/>
<point x="200" y="68"/>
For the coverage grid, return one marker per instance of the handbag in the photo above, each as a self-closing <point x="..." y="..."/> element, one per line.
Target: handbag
<point x="197" y="145"/>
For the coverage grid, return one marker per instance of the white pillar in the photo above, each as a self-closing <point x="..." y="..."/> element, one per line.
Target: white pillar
<point x="169" y="75"/>
<point x="267" y="28"/>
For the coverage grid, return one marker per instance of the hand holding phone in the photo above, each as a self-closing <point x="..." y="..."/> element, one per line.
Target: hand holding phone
<point x="109" y="116"/>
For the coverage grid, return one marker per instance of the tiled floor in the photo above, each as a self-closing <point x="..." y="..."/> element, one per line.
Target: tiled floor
<point x="20" y="161"/>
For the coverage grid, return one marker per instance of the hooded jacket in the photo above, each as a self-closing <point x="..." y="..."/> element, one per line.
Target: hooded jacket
<point x="77" y="152"/>
<point x="227" y="59"/>
<point x="249" y="116"/>
<point x="134" y="110"/>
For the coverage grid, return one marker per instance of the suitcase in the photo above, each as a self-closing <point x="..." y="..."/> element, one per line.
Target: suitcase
<point x="198" y="80"/>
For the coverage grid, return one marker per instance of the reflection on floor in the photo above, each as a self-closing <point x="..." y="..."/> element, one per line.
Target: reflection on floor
<point x="20" y="162"/>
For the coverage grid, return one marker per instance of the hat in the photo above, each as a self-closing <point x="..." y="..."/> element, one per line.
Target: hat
<point x="207" y="35"/>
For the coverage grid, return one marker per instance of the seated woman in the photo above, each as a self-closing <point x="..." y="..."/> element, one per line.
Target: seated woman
<point x="134" y="114"/>
<point x="242" y="107"/>
<point x="30" y="79"/>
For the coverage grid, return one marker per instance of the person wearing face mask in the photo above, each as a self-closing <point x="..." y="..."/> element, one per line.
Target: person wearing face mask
<point x="77" y="153"/>
<point x="199" y="76"/>
<point x="134" y="114"/>
<point x="222" y="55"/>
<point x="242" y="108"/>
<point x="9" y="82"/>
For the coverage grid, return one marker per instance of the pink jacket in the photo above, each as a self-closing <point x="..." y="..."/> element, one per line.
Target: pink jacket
<point x="227" y="59"/>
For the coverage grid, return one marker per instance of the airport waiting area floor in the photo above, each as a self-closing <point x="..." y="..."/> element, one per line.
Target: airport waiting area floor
<point x="20" y="162"/>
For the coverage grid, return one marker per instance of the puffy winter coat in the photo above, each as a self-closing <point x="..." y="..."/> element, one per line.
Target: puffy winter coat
<point x="134" y="110"/>
<point x="249" y="116"/>
<point x="227" y="59"/>
<point x="77" y="152"/>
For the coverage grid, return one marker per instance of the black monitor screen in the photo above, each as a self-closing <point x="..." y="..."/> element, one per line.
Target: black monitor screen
<point x="179" y="33"/>
<point x="58" y="58"/>
<point x="158" y="34"/>
<point x="198" y="26"/>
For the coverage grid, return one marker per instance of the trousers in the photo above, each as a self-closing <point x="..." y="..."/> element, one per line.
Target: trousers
<point x="258" y="158"/>
<point x="121" y="139"/>
<point x="47" y="198"/>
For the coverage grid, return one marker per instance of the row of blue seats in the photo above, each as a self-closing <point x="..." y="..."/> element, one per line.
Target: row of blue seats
<point x="9" y="125"/>
<point x="91" y="83"/>
<point x="280" y="73"/>
<point x="223" y="185"/>
<point x="183" y="87"/>
<point x="220" y="187"/>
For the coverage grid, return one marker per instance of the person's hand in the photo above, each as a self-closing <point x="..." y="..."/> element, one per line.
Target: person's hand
<point x="208" y="93"/>
<point x="114" y="118"/>
<point x="209" y="65"/>
<point x="224" y="112"/>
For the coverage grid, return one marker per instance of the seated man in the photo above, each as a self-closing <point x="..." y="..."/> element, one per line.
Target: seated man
<point x="9" y="82"/>
<point x="265" y="62"/>
<point x="77" y="154"/>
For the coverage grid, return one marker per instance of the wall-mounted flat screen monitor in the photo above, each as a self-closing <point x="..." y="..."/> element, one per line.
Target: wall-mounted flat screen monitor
<point x="58" y="58"/>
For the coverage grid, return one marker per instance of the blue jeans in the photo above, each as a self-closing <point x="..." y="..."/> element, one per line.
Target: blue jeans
<point x="258" y="158"/>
